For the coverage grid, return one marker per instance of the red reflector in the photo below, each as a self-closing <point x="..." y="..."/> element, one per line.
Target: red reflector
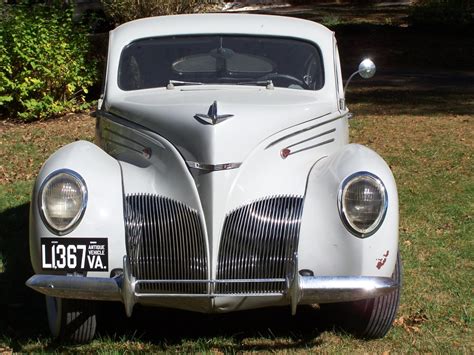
<point x="285" y="152"/>
<point x="146" y="153"/>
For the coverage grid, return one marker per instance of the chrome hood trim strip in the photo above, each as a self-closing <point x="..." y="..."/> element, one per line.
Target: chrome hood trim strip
<point x="212" y="167"/>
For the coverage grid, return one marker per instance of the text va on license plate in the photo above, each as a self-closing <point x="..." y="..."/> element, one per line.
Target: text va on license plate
<point x="74" y="254"/>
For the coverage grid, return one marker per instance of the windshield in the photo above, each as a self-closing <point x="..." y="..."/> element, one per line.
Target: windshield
<point x="188" y="60"/>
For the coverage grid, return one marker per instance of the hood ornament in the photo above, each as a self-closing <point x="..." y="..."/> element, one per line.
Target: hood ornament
<point x="212" y="117"/>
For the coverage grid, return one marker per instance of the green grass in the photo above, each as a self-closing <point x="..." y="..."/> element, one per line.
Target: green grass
<point x="432" y="160"/>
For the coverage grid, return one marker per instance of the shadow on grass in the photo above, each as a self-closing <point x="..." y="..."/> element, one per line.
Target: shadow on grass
<point x="409" y="101"/>
<point x="264" y="329"/>
<point x="21" y="309"/>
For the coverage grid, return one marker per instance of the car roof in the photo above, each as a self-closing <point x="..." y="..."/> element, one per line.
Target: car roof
<point x="249" y="24"/>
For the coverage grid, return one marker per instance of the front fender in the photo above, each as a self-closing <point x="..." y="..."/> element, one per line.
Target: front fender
<point x="103" y="215"/>
<point x="326" y="247"/>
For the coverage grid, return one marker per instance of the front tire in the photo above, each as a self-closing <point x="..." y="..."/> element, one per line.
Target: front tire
<point x="71" y="320"/>
<point x="371" y="318"/>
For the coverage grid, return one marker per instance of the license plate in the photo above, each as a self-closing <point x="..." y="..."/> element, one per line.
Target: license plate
<point x="74" y="254"/>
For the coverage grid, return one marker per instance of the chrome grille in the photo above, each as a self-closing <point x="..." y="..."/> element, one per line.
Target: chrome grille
<point x="165" y="241"/>
<point x="259" y="241"/>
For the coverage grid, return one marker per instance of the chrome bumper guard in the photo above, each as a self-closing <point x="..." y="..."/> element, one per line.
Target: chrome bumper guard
<point x="301" y="290"/>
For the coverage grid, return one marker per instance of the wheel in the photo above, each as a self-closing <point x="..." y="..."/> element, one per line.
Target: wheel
<point x="71" y="320"/>
<point x="371" y="318"/>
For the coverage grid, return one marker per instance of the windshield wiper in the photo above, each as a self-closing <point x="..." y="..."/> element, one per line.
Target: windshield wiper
<point x="268" y="83"/>
<point x="173" y="83"/>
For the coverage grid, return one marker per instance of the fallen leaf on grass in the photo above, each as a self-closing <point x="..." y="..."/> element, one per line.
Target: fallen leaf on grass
<point x="411" y="323"/>
<point x="28" y="146"/>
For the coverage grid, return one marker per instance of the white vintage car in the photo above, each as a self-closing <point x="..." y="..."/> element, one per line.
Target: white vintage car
<point x="222" y="179"/>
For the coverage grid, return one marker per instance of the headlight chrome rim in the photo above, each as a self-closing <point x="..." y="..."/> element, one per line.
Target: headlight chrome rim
<point x="76" y="220"/>
<point x="351" y="227"/>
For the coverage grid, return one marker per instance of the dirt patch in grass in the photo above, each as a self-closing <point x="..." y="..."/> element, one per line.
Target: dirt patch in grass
<point x="412" y="133"/>
<point x="24" y="147"/>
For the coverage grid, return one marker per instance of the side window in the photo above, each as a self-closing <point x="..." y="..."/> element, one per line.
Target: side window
<point x="130" y="74"/>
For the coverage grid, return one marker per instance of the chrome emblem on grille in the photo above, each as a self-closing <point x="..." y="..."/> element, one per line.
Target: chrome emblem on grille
<point x="212" y="117"/>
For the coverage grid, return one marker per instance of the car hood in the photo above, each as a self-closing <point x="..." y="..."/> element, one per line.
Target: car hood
<point x="248" y="115"/>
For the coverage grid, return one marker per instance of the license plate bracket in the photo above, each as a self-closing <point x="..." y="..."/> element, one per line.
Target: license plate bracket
<point x="74" y="254"/>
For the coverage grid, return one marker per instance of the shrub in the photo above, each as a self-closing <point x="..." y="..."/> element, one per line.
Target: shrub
<point x="44" y="59"/>
<point x="121" y="11"/>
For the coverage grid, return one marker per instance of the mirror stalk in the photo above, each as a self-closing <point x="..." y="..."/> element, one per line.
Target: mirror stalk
<point x="366" y="70"/>
<point x="349" y="80"/>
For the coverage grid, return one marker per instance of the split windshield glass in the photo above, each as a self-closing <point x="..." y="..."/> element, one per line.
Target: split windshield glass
<point x="155" y="62"/>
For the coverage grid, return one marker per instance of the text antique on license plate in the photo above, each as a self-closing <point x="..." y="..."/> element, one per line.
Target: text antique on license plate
<point x="74" y="254"/>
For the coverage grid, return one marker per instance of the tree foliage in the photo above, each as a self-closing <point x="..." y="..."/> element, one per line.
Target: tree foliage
<point x="44" y="59"/>
<point x="121" y="11"/>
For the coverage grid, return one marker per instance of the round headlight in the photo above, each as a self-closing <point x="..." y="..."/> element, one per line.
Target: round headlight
<point x="362" y="203"/>
<point x="62" y="201"/>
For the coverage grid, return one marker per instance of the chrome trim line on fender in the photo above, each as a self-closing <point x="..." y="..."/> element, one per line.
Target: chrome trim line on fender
<point x="311" y="138"/>
<point x="111" y="131"/>
<point x="312" y="146"/>
<point x="307" y="128"/>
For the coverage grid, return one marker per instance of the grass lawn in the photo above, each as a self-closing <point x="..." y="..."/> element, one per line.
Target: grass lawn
<point x="432" y="159"/>
<point x="423" y="129"/>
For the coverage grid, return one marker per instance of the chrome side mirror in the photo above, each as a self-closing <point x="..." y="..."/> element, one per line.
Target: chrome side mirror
<point x="366" y="70"/>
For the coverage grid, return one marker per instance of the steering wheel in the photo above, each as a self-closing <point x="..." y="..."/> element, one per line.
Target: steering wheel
<point x="290" y="78"/>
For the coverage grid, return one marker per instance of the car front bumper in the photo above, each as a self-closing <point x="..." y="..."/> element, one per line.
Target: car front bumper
<point x="301" y="290"/>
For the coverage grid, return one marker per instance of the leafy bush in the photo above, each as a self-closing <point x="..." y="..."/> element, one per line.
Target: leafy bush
<point x="442" y="12"/>
<point x="44" y="59"/>
<point x="121" y="11"/>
